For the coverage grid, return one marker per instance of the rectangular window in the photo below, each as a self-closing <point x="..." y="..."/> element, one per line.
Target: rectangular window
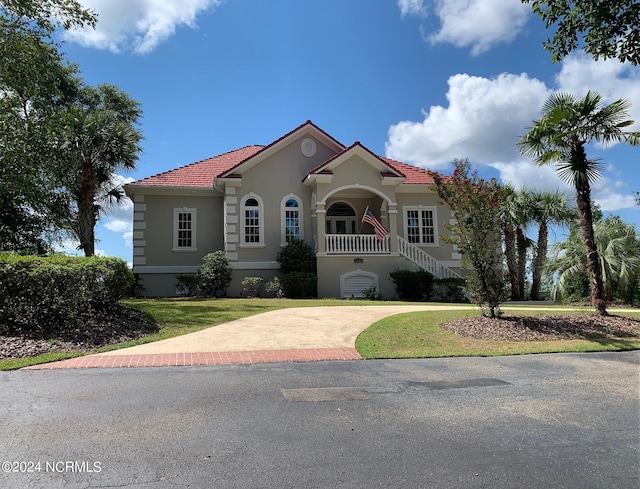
<point x="184" y="229"/>
<point x="420" y="226"/>
<point x="292" y="224"/>
<point x="251" y="226"/>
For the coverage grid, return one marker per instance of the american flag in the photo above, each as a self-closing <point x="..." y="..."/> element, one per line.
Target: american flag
<point x="370" y="218"/>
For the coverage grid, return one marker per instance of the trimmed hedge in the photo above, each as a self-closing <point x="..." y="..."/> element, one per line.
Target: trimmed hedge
<point x="47" y="293"/>
<point x="299" y="285"/>
<point x="297" y="256"/>
<point x="412" y="285"/>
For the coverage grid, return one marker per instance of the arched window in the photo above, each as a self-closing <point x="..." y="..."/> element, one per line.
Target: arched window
<point x="252" y="221"/>
<point x="291" y="212"/>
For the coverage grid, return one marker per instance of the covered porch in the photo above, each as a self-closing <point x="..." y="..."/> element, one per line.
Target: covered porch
<point x="340" y="230"/>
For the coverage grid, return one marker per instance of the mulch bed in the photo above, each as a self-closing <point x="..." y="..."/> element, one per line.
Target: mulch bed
<point x="545" y="328"/>
<point x="91" y="331"/>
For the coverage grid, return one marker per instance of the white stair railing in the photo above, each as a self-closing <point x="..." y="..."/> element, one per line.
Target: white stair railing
<point x="424" y="260"/>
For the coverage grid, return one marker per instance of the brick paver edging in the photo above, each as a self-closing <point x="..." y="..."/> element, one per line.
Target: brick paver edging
<point x="208" y="358"/>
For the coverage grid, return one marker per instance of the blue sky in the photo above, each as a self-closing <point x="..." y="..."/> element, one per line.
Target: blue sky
<point x="421" y="81"/>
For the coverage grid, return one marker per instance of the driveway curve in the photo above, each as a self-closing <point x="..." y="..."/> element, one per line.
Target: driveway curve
<point x="294" y="328"/>
<point x="288" y="335"/>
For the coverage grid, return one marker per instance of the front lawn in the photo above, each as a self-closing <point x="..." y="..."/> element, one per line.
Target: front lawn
<point x="420" y="335"/>
<point x="412" y="335"/>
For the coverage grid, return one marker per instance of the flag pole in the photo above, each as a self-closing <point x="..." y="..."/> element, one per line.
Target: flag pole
<point x="362" y="220"/>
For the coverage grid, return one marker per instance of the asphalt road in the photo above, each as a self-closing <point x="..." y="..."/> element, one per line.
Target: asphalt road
<point x="550" y="421"/>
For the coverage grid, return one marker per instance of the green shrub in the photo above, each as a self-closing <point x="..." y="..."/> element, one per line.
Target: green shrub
<point x="187" y="285"/>
<point x="214" y="275"/>
<point x="253" y="286"/>
<point x="299" y="285"/>
<point x="372" y="294"/>
<point x="449" y="290"/>
<point x="297" y="256"/>
<point x="412" y="285"/>
<point x="46" y="293"/>
<point x="274" y="289"/>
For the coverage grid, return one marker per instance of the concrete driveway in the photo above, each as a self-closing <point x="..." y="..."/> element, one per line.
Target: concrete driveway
<point x="295" y="328"/>
<point x="286" y="335"/>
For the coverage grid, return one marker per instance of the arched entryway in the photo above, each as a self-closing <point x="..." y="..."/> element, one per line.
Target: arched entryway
<point x="341" y="219"/>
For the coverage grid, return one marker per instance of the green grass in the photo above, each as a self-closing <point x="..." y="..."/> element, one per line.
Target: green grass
<point x="418" y="335"/>
<point x="411" y="335"/>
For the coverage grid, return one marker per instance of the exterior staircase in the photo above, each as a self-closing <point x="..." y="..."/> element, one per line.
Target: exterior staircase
<point x="424" y="260"/>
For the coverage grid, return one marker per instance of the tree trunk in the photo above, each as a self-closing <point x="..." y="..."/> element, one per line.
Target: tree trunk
<point x="87" y="212"/>
<point x="583" y="201"/>
<point x="510" y="255"/>
<point x="538" y="265"/>
<point x="521" y="245"/>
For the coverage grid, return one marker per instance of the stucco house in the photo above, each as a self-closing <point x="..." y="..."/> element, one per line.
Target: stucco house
<point x="306" y="184"/>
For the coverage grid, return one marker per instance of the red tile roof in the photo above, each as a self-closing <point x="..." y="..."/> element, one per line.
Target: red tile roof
<point x="201" y="173"/>
<point x="414" y="174"/>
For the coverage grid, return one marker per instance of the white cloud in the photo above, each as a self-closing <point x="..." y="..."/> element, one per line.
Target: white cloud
<point x="412" y="7"/>
<point x="485" y="118"/>
<point x="480" y="24"/>
<point x="612" y="79"/>
<point x="483" y="121"/>
<point x="521" y="174"/>
<point x="606" y="194"/>
<point x="137" y="25"/>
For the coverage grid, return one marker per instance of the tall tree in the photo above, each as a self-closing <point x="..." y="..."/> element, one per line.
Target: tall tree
<point x="548" y="208"/>
<point x="567" y="125"/>
<point x="525" y="205"/>
<point x="102" y="137"/>
<point x="508" y="223"/>
<point x="608" y="29"/>
<point x="515" y="216"/>
<point x="475" y="203"/>
<point x="35" y="83"/>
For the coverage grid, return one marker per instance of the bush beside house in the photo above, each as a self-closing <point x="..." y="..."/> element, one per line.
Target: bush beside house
<point x="48" y="293"/>
<point x="298" y="277"/>
<point x="214" y="276"/>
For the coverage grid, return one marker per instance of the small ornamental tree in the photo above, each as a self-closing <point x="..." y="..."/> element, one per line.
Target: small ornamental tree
<point x="476" y="203"/>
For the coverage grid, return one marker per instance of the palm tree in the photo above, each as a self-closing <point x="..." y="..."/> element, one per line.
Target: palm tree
<point x="559" y="136"/>
<point x="508" y="216"/>
<point x="548" y="208"/>
<point x="101" y="139"/>
<point x="618" y="252"/>
<point x="525" y="206"/>
<point x="515" y="216"/>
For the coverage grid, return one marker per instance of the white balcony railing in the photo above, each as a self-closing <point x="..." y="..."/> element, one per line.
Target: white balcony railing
<point x="361" y="244"/>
